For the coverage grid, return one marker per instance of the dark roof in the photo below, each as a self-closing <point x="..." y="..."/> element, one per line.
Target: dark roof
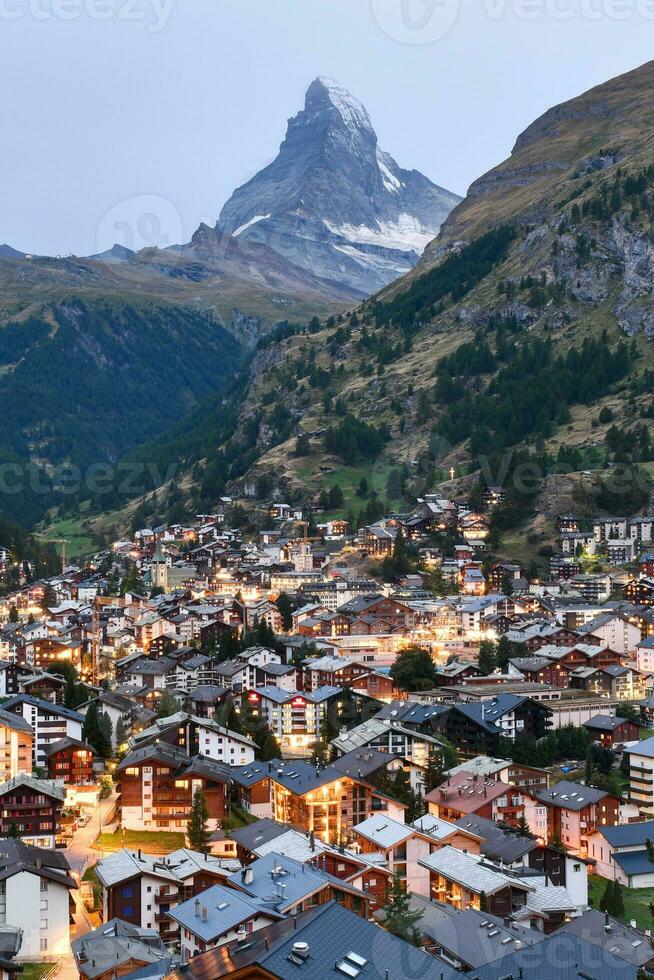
<point x="207" y="693"/>
<point x="48" y="706"/>
<point x="571" y="796"/>
<point x="628" y="834"/>
<point x="331" y="933"/>
<point x="260" y="832"/>
<point x="499" y="844"/>
<point x="11" y="720"/>
<point x="169" y="755"/>
<point x="472" y="937"/>
<point x="561" y="956"/>
<point x="628" y="944"/>
<point x="605" y="723"/>
<point x="635" y="862"/>
<point x="16" y="857"/>
<point x="67" y="743"/>
<point x="362" y="763"/>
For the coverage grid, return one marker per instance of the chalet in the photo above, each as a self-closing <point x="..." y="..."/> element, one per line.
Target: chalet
<point x="324" y="802"/>
<point x="247" y="905"/>
<point x="574" y="812"/>
<point x="32" y="809"/>
<point x="203" y="701"/>
<point x="117" y="949"/>
<point x="456" y="672"/>
<point x="35" y="879"/>
<point x="539" y="670"/>
<point x="524" y="777"/>
<point x="609" y="731"/>
<point x="140" y="889"/>
<point x="379" y="540"/>
<point x="639" y="591"/>
<point x="296" y="718"/>
<point x="194" y="736"/>
<point x="71" y="761"/>
<point x="388" y="735"/>
<point x="467" y="794"/>
<point x="362" y="870"/>
<point x="459" y="879"/>
<point x="332" y="672"/>
<point x="622" y="852"/>
<point x="402" y="846"/>
<point x="618" y="682"/>
<point x="157" y="783"/>
<point x="475" y="728"/>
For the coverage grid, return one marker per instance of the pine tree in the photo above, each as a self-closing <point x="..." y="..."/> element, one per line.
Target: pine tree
<point x="483" y="902"/>
<point x="618" y="900"/>
<point x="523" y="827"/>
<point x="398" y="917"/>
<point x="285" y="611"/>
<point x="121" y="733"/>
<point x="168" y="705"/>
<point x="198" y="834"/>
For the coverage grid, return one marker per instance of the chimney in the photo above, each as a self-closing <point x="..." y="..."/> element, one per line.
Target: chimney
<point x="249" y="876"/>
<point x="607" y="922"/>
<point x="633" y="923"/>
<point x="205" y="913"/>
<point x="197" y="908"/>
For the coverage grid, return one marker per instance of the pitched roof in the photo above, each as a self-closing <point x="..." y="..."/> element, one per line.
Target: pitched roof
<point x="571" y="796"/>
<point x="561" y="956"/>
<point x="218" y="910"/>
<point x="339" y="943"/>
<point x="621" y="941"/>
<point x="298" y="880"/>
<point x="628" y="834"/>
<point x="605" y="723"/>
<point x="17" y="857"/>
<point x="467" y="792"/>
<point x="471" y="871"/>
<point x="499" y="844"/>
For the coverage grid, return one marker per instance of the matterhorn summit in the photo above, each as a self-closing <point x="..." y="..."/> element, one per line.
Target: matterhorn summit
<point x="334" y="203"/>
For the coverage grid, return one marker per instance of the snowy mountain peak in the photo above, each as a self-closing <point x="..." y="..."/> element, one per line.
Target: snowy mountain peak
<point x="333" y="202"/>
<point x="325" y="93"/>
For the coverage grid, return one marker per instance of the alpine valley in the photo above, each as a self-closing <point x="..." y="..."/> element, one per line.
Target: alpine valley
<point x="525" y="327"/>
<point x="101" y="354"/>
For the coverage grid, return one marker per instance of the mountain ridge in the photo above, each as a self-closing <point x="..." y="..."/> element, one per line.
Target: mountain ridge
<point x="490" y="321"/>
<point x="333" y="201"/>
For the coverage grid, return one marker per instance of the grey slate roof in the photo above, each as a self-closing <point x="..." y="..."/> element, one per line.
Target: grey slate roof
<point x="225" y="909"/>
<point x="499" y="844"/>
<point x="474" y="938"/>
<point x="604" y="723"/>
<point x="628" y="944"/>
<point x="561" y="956"/>
<point x="299" y="880"/>
<point x="571" y="796"/>
<point x="333" y="935"/>
<point x="116" y="943"/>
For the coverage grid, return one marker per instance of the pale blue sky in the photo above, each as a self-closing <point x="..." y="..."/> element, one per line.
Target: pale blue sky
<point x="167" y="105"/>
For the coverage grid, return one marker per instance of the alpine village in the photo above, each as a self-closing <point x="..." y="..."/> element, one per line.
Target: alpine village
<point x="343" y="666"/>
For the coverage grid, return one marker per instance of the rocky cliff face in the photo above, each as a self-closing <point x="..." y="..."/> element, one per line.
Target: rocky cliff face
<point x="334" y="203"/>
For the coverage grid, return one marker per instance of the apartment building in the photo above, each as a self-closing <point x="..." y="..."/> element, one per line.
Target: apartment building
<point x="16" y="743"/>
<point x="157" y="785"/>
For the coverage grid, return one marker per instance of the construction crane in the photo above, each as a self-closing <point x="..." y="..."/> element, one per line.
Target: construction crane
<point x="63" y="542"/>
